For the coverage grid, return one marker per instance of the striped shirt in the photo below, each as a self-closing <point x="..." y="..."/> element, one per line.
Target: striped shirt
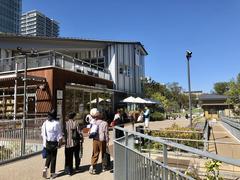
<point x="103" y="133"/>
<point x="70" y="126"/>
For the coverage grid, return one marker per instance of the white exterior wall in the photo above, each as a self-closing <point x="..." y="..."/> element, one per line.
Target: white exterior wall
<point x="126" y="65"/>
<point x="112" y="63"/>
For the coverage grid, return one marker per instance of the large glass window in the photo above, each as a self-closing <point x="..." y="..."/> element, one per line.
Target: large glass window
<point x="82" y="100"/>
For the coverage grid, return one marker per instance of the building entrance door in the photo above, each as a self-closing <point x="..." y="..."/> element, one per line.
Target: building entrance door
<point x="31" y="103"/>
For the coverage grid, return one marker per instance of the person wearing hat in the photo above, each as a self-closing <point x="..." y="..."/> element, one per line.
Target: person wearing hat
<point x="52" y="137"/>
<point x="73" y="138"/>
<point x="100" y="141"/>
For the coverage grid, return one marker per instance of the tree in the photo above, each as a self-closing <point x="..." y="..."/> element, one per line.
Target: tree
<point x="233" y="94"/>
<point x="169" y="95"/>
<point x="164" y="101"/>
<point x="221" y="87"/>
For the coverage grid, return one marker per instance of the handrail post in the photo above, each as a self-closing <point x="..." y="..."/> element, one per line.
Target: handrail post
<point x="54" y="59"/>
<point x="15" y="91"/>
<point x="23" y="141"/>
<point x="114" y="152"/>
<point x="206" y="135"/>
<point x="114" y="133"/>
<point x="74" y="65"/>
<point x="62" y="61"/>
<point x="126" y="155"/>
<point x="165" y="161"/>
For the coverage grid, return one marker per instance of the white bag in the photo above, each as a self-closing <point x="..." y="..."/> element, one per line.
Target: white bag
<point x="140" y="118"/>
<point x="93" y="131"/>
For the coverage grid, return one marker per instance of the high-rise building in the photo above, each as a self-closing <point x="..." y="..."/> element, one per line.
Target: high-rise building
<point x="10" y="14"/>
<point x="35" y="23"/>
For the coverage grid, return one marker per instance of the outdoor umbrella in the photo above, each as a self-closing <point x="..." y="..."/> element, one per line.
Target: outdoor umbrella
<point x="140" y="100"/>
<point x="151" y="101"/>
<point x="129" y="100"/>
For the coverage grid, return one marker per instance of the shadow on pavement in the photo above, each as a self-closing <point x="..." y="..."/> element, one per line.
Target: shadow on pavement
<point x="85" y="168"/>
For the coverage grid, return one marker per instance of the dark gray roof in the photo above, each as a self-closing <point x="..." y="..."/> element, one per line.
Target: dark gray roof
<point x="212" y="97"/>
<point x="11" y="35"/>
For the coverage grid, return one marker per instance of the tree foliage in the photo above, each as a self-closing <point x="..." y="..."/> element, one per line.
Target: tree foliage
<point x="232" y="90"/>
<point x="170" y="95"/>
<point x="221" y="87"/>
<point x="233" y="94"/>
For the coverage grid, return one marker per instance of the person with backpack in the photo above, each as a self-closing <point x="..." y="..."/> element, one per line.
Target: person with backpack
<point x="78" y="150"/>
<point x="100" y="138"/>
<point x="52" y="138"/>
<point x="73" y="138"/>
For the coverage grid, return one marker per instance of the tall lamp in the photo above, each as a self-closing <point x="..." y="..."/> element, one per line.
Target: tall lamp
<point x="188" y="56"/>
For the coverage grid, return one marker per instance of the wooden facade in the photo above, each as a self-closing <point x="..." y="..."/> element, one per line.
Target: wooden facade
<point x="213" y="105"/>
<point x="56" y="80"/>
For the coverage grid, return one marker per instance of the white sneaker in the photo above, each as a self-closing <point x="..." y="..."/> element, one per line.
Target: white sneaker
<point x="91" y="170"/>
<point x="44" y="175"/>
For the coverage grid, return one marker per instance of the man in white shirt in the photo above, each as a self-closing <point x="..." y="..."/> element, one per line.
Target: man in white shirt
<point x="52" y="136"/>
<point x="146" y="117"/>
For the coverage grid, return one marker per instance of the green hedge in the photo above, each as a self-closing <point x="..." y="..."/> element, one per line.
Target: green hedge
<point x="172" y="133"/>
<point x="157" y="116"/>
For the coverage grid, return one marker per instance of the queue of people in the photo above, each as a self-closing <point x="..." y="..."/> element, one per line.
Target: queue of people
<point x="71" y="136"/>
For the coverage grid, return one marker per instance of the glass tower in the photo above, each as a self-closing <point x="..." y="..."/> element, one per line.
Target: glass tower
<point x="10" y="14"/>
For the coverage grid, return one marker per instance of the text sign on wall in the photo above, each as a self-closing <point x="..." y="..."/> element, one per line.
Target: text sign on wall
<point x="59" y="94"/>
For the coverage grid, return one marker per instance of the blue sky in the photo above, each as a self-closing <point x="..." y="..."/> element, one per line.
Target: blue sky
<point x="167" y="28"/>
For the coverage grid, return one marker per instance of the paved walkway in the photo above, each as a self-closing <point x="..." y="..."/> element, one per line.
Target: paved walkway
<point x="220" y="134"/>
<point x="31" y="168"/>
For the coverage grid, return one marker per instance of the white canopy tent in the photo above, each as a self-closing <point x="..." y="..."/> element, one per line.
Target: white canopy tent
<point x="141" y="101"/>
<point x="151" y="101"/>
<point x="134" y="102"/>
<point x="129" y="99"/>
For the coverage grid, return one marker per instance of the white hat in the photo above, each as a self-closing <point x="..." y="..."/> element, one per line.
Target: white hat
<point x="94" y="112"/>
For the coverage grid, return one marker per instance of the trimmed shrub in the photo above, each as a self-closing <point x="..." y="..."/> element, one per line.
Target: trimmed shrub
<point x="172" y="132"/>
<point x="157" y="116"/>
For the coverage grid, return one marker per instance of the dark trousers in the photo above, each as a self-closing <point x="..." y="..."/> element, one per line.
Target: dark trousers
<point x="69" y="159"/>
<point x="77" y="155"/>
<point x="119" y="133"/>
<point x="51" y="159"/>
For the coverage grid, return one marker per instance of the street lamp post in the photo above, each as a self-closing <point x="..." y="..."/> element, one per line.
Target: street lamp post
<point x="188" y="56"/>
<point x="23" y="140"/>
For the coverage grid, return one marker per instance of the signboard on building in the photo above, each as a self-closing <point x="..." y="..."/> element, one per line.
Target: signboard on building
<point x="59" y="94"/>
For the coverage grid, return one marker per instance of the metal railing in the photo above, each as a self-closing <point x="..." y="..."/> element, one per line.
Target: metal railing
<point x="54" y="59"/>
<point x="169" y="163"/>
<point x="14" y="144"/>
<point x="233" y="125"/>
<point x="206" y="134"/>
